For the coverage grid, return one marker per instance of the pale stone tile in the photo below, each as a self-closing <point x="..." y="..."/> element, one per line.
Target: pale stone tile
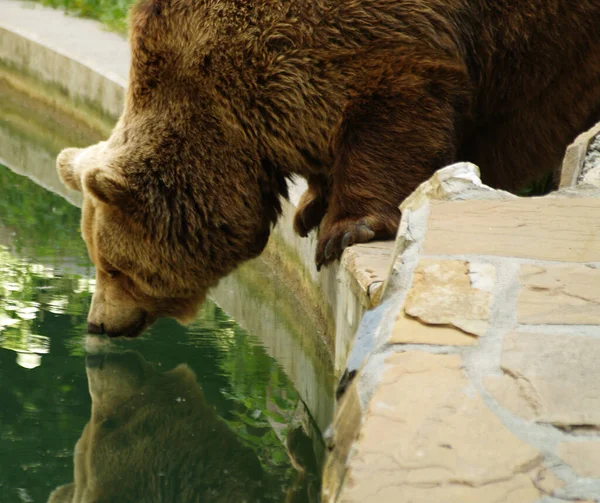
<point x="537" y="228"/>
<point x="547" y="481"/>
<point x="507" y="392"/>
<point x="452" y="292"/>
<point x="411" y="331"/>
<point x="344" y="431"/>
<point x="518" y="489"/>
<point x="369" y="264"/>
<point x="427" y="436"/>
<point x="583" y="456"/>
<point x="559" y="294"/>
<point x="559" y="373"/>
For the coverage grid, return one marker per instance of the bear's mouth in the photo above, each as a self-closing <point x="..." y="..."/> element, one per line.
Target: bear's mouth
<point x="133" y="331"/>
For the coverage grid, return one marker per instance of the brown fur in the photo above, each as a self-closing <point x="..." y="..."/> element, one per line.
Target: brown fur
<point x="364" y="98"/>
<point x="153" y="438"/>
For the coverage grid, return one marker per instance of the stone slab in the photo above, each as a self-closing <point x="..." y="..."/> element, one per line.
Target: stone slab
<point x="559" y="374"/>
<point x="557" y="229"/>
<point x="452" y="292"/>
<point x="341" y="437"/>
<point x="583" y="456"/>
<point x="510" y="395"/>
<point x="516" y="490"/>
<point x="412" y="331"/>
<point x="369" y="264"/>
<point x="557" y="294"/>
<point x="427" y="436"/>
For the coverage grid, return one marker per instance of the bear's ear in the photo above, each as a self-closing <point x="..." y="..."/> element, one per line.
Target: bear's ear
<point x="107" y="186"/>
<point x="67" y="172"/>
<point x="62" y="494"/>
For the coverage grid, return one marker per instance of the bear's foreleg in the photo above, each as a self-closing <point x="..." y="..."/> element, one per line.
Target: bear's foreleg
<point x="391" y="138"/>
<point x="312" y="205"/>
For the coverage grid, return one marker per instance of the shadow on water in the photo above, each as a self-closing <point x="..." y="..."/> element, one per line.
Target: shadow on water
<point x="197" y="413"/>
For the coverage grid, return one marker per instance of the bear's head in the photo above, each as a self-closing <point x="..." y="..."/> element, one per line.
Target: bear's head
<point x="153" y="437"/>
<point x="181" y="192"/>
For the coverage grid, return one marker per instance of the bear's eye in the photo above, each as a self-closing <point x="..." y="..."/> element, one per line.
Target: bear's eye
<point x="114" y="273"/>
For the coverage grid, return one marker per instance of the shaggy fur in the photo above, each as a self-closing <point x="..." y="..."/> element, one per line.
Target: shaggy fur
<point x="364" y="98"/>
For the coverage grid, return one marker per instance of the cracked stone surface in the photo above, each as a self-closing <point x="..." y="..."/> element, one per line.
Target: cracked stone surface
<point x="369" y="264"/>
<point x="583" y="456"/>
<point x="513" y="396"/>
<point x="558" y="374"/>
<point x="452" y="292"/>
<point x="339" y="440"/>
<point x="409" y="330"/>
<point x="450" y="416"/>
<point x="559" y="294"/>
<point x="567" y="229"/>
<point x="428" y="436"/>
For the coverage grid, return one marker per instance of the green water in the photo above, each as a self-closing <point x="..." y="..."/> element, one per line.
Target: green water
<point x="226" y="425"/>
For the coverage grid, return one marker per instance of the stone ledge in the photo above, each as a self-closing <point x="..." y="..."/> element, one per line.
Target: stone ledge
<point x="569" y="231"/>
<point x="467" y="253"/>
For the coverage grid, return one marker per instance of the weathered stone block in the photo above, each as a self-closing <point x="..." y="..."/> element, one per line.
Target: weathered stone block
<point x="343" y="433"/>
<point x="557" y="294"/>
<point x="538" y="228"/>
<point x="559" y="374"/>
<point x="427" y="436"/>
<point x="370" y="265"/>
<point x="510" y="395"/>
<point x="411" y="331"/>
<point x="583" y="456"/>
<point x="452" y="292"/>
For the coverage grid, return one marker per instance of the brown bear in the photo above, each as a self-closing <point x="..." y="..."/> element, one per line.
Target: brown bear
<point x="364" y="98"/>
<point x="152" y="437"/>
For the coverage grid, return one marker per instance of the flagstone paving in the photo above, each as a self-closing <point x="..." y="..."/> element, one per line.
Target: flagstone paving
<point x="483" y="379"/>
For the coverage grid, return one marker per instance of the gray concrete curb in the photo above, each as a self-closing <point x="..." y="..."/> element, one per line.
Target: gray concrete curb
<point x="52" y="47"/>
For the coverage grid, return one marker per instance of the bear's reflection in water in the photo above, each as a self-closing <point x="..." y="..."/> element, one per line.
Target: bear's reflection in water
<point x="152" y="437"/>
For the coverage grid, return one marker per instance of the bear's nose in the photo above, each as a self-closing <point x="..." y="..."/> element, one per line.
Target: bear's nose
<point x="92" y="328"/>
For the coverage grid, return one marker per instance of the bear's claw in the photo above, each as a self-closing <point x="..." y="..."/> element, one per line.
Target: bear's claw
<point x="343" y="235"/>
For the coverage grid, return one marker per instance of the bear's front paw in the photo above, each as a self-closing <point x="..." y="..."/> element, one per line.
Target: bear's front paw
<point x="337" y="235"/>
<point x="311" y="209"/>
<point x="334" y="239"/>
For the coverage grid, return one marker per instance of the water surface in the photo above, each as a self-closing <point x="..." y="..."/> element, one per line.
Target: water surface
<point x="197" y="413"/>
